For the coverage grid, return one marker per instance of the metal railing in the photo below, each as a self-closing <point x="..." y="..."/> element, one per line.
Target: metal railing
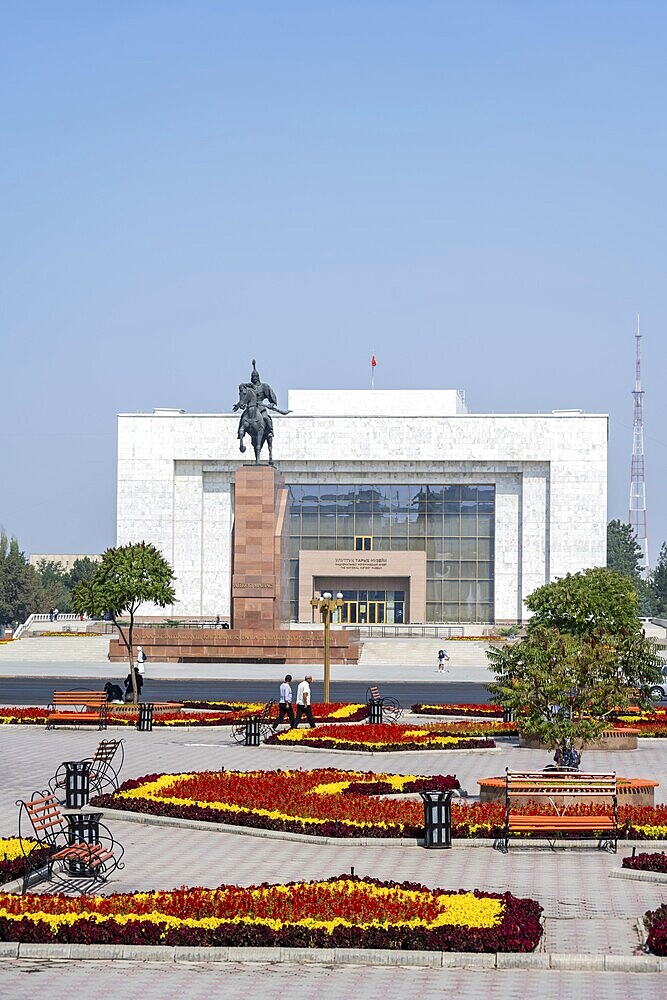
<point x="407" y="631"/>
<point x="32" y="619"/>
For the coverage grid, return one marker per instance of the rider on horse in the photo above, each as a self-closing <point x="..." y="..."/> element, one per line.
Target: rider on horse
<point x="251" y="400"/>
<point x="254" y="393"/>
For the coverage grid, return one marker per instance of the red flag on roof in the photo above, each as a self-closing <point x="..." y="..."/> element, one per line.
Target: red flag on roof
<point x="373" y="362"/>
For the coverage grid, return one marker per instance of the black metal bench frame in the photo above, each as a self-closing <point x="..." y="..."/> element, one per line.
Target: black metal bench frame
<point x="392" y="710"/>
<point x="265" y="718"/>
<point x="93" y="862"/>
<point x="569" y="785"/>
<point x="103" y="772"/>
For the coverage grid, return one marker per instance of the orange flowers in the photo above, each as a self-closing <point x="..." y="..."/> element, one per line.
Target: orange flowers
<point x="338" y="912"/>
<point x="324" y="802"/>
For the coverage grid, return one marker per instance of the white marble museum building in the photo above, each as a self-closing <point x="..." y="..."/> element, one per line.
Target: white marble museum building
<point x="416" y="510"/>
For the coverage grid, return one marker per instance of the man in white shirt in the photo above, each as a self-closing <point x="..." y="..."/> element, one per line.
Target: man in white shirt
<point x="285" y="703"/>
<point x="303" y="702"/>
<point x="141" y="659"/>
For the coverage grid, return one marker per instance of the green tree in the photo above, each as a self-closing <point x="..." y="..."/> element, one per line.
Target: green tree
<point x="56" y="592"/>
<point x="565" y="687"/>
<point x="584" y="656"/>
<point x="595" y="600"/>
<point x="21" y="592"/>
<point x="83" y="569"/>
<point x="623" y="556"/>
<point x="659" y="582"/>
<point x="126" y="578"/>
<point x="623" y="552"/>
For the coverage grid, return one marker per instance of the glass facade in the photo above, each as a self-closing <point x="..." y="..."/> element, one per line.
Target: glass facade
<point x="454" y="525"/>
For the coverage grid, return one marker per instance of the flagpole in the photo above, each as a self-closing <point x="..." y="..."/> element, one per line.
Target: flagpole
<point x="372" y="370"/>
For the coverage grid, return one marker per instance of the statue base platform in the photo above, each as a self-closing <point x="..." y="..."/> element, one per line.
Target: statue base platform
<point x="217" y="645"/>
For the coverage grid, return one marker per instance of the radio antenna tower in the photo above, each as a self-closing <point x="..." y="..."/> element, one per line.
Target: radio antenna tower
<point x="637" y="509"/>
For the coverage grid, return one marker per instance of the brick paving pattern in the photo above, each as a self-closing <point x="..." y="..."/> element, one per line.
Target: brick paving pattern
<point x="585" y="911"/>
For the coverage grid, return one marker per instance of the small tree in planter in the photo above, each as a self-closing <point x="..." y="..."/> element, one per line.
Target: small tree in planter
<point x="127" y="577"/>
<point x="584" y="657"/>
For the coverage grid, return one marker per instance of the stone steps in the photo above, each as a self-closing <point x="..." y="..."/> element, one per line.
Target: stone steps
<point x="422" y="652"/>
<point x="56" y="649"/>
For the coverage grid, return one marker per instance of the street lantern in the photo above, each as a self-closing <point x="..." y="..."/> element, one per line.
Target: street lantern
<point x="327" y="604"/>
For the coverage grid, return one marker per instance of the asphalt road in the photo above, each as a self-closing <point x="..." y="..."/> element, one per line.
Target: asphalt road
<point x="38" y="690"/>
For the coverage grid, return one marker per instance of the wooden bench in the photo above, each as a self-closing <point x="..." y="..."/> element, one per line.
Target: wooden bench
<point x="561" y="789"/>
<point x="79" y="864"/>
<point x="74" y="708"/>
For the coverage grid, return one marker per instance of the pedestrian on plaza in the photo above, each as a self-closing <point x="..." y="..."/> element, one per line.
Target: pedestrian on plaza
<point x="129" y="693"/>
<point x="442" y="659"/>
<point x="141" y="659"/>
<point x="55" y="614"/>
<point x="50" y="614"/>
<point x="303" y="702"/>
<point x="285" y="703"/>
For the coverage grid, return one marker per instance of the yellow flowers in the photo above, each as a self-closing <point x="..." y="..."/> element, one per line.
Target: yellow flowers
<point x="10" y="848"/>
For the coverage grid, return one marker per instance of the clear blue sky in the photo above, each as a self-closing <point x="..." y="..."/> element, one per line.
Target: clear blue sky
<point x="475" y="191"/>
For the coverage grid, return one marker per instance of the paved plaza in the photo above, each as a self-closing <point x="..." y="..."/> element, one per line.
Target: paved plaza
<point x="586" y="912"/>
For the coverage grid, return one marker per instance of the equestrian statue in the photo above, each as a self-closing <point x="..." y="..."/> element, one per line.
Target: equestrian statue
<point x="255" y="419"/>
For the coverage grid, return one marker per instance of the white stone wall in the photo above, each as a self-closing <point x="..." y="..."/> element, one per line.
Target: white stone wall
<point x="175" y="473"/>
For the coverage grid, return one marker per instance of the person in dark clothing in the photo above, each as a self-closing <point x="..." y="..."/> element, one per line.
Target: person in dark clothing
<point x="113" y="691"/>
<point x="129" y="694"/>
<point x="285" y="703"/>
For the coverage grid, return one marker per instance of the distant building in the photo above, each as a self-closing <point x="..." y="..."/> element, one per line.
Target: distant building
<point x="415" y="509"/>
<point x="67" y="562"/>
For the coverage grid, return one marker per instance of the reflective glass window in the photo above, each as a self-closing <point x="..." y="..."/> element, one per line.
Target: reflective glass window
<point x="452" y="523"/>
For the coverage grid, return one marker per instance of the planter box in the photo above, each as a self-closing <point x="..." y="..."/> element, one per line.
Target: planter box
<point x="631" y="792"/>
<point x="612" y="739"/>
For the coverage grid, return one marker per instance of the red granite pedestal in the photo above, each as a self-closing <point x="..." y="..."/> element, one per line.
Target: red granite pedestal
<point x="260" y="580"/>
<point x="260" y="593"/>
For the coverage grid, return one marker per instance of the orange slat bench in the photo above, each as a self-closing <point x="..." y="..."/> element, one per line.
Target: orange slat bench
<point x="92" y="861"/>
<point x="74" y="708"/>
<point x="561" y="789"/>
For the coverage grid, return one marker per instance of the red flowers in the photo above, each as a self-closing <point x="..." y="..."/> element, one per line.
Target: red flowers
<point x="655" y="922"/>
<point x="342" y="912"/>
<point x="491" y="711"/>
<point x="384" y="738"/>
<point x="654" y="862"/>
<point x="326" y="802"/>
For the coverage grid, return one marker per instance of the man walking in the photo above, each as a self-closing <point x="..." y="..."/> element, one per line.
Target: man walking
<point x="285" y="703"/>
<point x="303" y="702"/>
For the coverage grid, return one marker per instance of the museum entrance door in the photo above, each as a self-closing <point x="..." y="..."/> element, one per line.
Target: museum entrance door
<point x="359" y="608"/>
<point x="364" y="613"/>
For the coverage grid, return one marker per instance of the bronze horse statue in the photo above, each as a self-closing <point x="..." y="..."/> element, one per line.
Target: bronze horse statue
<point x="255" y="422"/>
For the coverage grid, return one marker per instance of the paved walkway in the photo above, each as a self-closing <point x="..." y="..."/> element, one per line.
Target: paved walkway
<point x="585" y="910"/>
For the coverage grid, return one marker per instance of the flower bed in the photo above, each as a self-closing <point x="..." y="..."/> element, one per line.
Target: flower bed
<point x="654" y="862"/>
<point x="12" y="856"/>
<point x="334" y="711"/>
<point x="374" y="739"/>
<point x="655" y="922"/>
<point x="487" y="819"/>
<point x="342" y="912"/>
<point x="37" y="717"/>
<point x="326" y="802"/>
<point x="329" y="802"/>
<point x="216" y="714"/>
<point x="490" y="711"/>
